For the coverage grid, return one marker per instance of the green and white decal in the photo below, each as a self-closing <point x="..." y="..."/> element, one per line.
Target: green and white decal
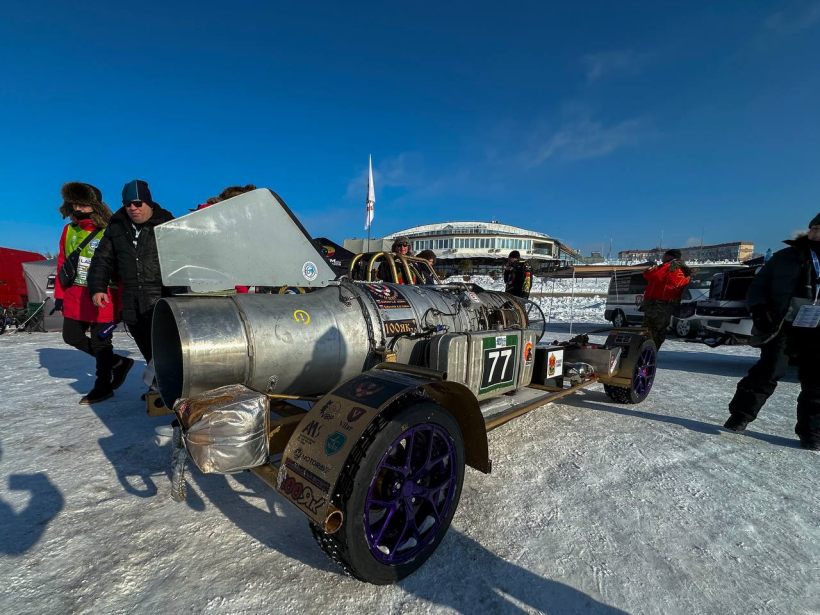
<point x="500" y="362"/>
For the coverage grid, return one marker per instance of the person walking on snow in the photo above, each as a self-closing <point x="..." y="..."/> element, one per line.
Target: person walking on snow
<point x="666" y="283"/>
<point x="129" y="248"/>
<point x="788" y="280"/>
<point x="89" y="215"/>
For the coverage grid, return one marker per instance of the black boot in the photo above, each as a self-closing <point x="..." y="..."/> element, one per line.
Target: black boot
<point x="736" y="424"/>
<point x="96" y="395"/>
<point x="811" y="444"/>
<point x="121" y="368"/>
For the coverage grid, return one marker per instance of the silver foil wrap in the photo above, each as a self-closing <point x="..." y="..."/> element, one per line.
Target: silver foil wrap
<point x="229" y="429"/>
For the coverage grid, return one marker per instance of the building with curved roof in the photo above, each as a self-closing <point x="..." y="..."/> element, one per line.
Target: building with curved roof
<point x="486" y="245"/>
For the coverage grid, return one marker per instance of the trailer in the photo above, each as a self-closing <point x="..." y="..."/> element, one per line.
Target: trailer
<point x="363" y="401"/>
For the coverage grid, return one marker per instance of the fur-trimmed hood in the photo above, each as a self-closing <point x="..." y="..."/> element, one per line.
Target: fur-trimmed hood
<point x="84" y="194"/>
<point x="800" y="241"/>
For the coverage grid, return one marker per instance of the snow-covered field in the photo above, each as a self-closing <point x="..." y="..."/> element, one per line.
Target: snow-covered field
<point x="559" y="309"/>
<point x="592" y="507"/>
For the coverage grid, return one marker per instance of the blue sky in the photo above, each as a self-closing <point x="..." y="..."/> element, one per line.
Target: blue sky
<point x="587" y="121"/>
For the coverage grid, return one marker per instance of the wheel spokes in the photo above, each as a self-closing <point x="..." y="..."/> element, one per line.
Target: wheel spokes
<point x="409" y="497"/>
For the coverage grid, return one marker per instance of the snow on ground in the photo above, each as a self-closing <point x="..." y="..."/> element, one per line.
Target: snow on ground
<point x="558" y="309"/>
<point x="592" y="507"/>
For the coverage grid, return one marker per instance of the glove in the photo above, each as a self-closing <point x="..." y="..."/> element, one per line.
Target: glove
<point x="763" y="320"/>
<point x="58" y="306"/>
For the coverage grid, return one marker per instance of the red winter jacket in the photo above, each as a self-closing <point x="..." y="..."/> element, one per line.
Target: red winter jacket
<point x="666" y="282"/>
<point x="76" y="300"/>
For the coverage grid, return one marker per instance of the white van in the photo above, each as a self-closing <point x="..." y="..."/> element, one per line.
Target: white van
<point x="626" y="294"/>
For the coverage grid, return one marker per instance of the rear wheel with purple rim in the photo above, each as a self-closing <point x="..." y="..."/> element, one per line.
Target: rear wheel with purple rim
<point x="643" y="377"/>
<point x="399" y="498"/>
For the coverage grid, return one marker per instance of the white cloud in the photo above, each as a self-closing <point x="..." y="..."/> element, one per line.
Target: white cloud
<point x="405" y="170"/>
<point x="586" y="139"/>
<point x="603" y="64"/>
<point x="783" y="24"/>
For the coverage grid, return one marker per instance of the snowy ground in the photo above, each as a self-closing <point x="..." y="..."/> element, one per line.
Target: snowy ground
<point x="559" y="309"/>
<point x="592" y="507"/>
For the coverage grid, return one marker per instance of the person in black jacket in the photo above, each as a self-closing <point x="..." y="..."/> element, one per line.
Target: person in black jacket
<point x="791" y="277"/>
<point x="517" y="276"/>
<point x="128" y="252"/>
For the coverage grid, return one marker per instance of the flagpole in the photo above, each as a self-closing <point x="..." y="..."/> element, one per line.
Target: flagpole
<point x="371" y="200"/>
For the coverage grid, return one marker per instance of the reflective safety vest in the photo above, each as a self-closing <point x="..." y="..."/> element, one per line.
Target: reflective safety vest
<point x="74" y="236"/>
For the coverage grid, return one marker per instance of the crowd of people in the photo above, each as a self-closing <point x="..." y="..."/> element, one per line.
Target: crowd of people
<point x="109" y="273"/>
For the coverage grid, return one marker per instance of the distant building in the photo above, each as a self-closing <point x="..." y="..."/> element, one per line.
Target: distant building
<point x="737" y="251"/>
<point x="486" y="245"/>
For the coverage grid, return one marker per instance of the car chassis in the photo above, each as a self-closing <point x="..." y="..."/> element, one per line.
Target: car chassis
<point x="376" y="460"/>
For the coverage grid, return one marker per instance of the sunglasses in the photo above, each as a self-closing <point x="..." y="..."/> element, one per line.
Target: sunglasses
<point x="402" y="245"/>
<point x="137" y="204"/>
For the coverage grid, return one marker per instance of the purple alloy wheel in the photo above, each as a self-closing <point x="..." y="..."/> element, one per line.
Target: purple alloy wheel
<point x="410" y="494"/>
<point x="644" y="372"/>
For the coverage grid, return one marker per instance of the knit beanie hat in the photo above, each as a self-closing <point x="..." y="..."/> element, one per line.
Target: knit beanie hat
<point x="815" y="221"/>
<point x="137" y="190"/>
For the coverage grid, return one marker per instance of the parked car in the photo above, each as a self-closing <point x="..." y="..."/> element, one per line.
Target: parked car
<point x="725" y="315"/>
<point x="626" y="294"/>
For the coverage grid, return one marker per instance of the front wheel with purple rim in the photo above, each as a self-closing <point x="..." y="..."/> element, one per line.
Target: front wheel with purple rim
<point x="410" y="494"/>
<point x="398" y="492"/>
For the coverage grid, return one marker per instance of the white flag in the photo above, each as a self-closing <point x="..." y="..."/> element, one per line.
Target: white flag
<point x="371" y="199"/>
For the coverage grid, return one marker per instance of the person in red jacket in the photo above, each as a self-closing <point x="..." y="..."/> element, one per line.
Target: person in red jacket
<point x="666" y="283"/>
<point x="83" y="205"/>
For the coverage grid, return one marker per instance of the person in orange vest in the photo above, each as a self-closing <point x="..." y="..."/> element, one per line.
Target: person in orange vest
<point x="89" y="215"/>
<point x="667" y="281"/>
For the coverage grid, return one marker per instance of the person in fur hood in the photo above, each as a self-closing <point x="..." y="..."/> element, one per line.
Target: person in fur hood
<point x="789" y="279"/>
<point x="83" y="205"/>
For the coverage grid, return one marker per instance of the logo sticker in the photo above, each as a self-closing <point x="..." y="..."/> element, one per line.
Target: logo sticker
<point x="500" y="342"/>
<point x="386" y="297"/>
<point x="528" y="353"/>
<point x="366" y="389"/>
<point x="334" y="443"/>
<point x="355" y="414"/>
<point x="309" y="271"/>
<point x="302" y="317"/>
<point x="313" y="429"/>
<point x="93" y="244"/>
<point x="329" y="411"/>
<point x="392" y="328"/>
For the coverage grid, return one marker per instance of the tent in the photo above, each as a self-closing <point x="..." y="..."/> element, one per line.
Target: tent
<point x="12" y="281"/>
<point x="40" y="276"/>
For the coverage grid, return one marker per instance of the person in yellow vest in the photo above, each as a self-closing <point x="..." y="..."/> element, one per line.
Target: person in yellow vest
<point x="86" y="327"/>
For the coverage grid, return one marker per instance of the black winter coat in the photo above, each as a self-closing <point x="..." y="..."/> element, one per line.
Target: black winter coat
<point x="136" y="268"/>
<point x="787" y="274"/>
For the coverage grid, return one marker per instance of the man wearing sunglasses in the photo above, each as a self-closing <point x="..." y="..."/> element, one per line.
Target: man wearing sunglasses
<point x="128" y="250"/>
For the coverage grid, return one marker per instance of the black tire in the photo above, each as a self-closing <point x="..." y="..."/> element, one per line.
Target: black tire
<point x="3" y="325"/>
<point x="684" y="328"/>
<point x="629" y="395"/>
<point x="619" y="319"/>
<point x="349" y="546"/>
